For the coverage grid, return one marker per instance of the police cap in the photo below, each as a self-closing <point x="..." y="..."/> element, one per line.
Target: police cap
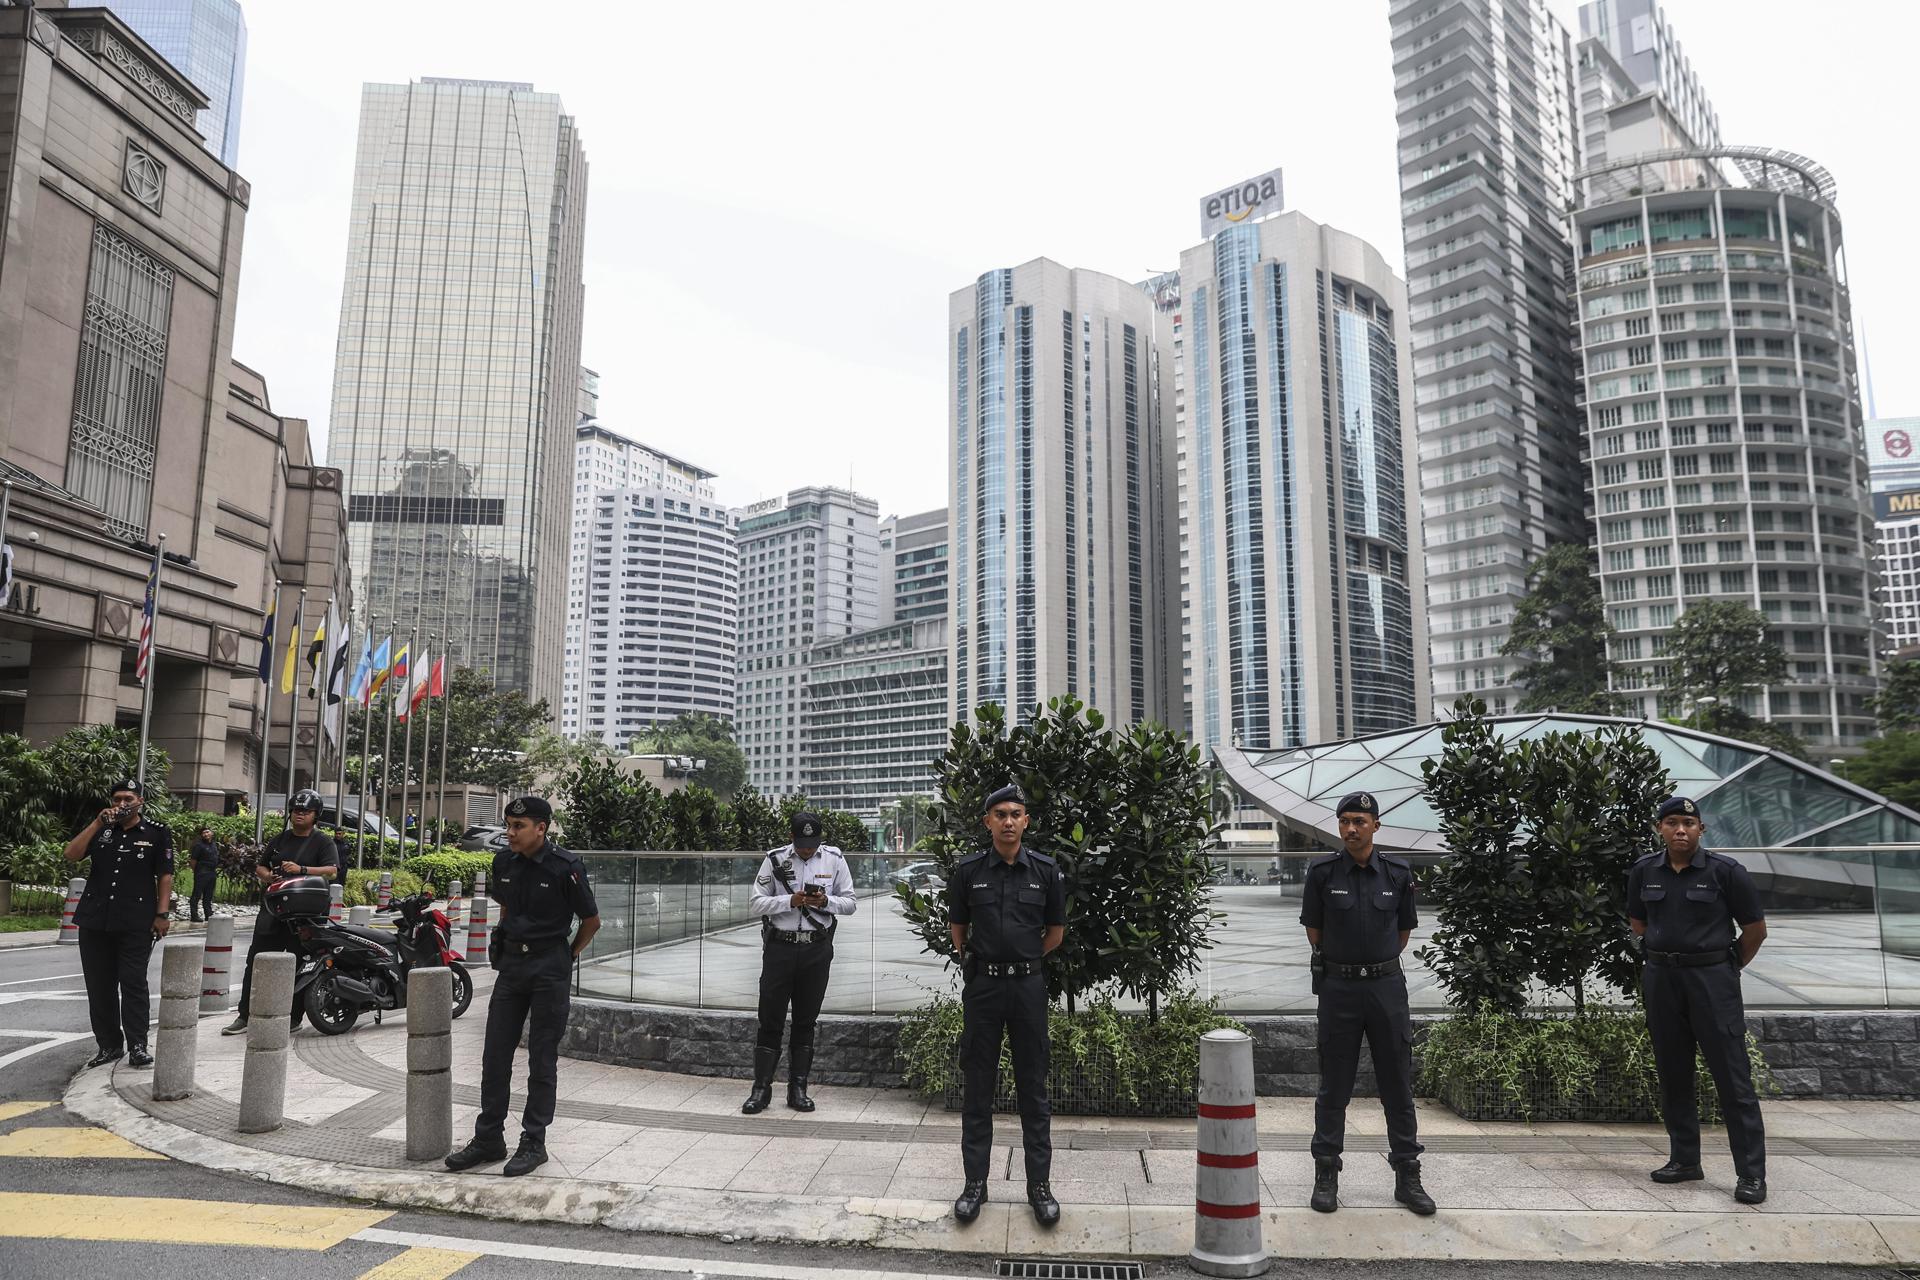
<point x="1681" y="805"/>
<point x="1358" y="802"/>
<point x="805" y="830"/>
<point x="128" y="785"/>
<point x="1009" y="794"/>
<point x="532" y="808"/>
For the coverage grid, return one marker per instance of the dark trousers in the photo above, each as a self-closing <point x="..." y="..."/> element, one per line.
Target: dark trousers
<point x="530" y="992"/>
<point x="1377" y="1009"/>
<point x="1017" y="1006"/>
<point x="270" y="938"/>
<point x="792" y="975"/>
<point x="114" y="964"/>
<point x="200" y="901"/>
<point x="1702" y="1007"/>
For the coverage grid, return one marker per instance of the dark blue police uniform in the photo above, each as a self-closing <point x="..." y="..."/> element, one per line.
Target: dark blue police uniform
<point x="115" y="919"/>
<point x="1007" y="908"/>
<point x="1692" y="988"/>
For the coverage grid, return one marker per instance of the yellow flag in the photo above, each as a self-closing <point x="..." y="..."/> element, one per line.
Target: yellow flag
<point x="293" y="657"/>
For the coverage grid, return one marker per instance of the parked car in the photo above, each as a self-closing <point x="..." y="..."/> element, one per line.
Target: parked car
<point x="353" y="820"/>
<point x="921" y="877"/>
<point x="482" y="839"/>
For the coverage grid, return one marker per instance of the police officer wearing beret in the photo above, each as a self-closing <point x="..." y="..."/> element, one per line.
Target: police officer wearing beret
<point x="122" y="912"/>
<point x="799" y="894"/>
<point x="540" y="888"/>
<point x="1358" y="909"/>
<point x="1684" y="904"/>
<point x="1007" y="908"/>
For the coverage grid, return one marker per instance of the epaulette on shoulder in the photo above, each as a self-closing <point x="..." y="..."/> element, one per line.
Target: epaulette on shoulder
<point x="1042" y="858"/>
<point x="1397" y="859"/>
<point x="1323" y="860"/>
<point x="1649" y="857"/>
<point x="965" y="858"/>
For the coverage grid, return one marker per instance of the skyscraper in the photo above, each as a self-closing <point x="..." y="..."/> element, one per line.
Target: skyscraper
<point x="457" y="378"/>
<point x="207" y="41"/>
<point x="653" y="597"/>
<point x="1484" y="96"/>
<point x="809" y="572"/>
<point x="1305" y="610"/>
<point x="1894" y="466"/>
<point x="1055" y="436"/>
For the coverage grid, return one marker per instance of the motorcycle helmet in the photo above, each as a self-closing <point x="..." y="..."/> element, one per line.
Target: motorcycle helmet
<point x="306" y="798"/>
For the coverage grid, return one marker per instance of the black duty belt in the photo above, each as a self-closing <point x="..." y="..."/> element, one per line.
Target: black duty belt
<point x="800" y="937"/>
<point x="531" y="948"/>
<point x="1010" y="968"/>
<point x="1385" y="968"/>
<point x="1688" y="959"/>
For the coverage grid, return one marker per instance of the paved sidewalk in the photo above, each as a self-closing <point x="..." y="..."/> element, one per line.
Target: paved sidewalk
<point x="647" y="1150"/>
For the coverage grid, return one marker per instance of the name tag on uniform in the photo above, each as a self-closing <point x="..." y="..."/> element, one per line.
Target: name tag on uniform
<point x="1033" y="886"/>
<point x="982" y="885"/>
<point x="1341" y="892"/>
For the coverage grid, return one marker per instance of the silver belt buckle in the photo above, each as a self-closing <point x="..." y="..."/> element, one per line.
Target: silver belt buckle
<point x="524" y="948"/>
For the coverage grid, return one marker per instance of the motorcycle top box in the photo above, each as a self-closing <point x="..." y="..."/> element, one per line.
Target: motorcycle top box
<point x="298" y="896"/>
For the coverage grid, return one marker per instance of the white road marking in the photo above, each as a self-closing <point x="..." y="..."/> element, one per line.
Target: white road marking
<point x="49" y="1040"/>
<point x="52" y="977"/>
<point x="37" y="946"/>
<point x="633" y="1261"/>
<point x="21" y="997"/>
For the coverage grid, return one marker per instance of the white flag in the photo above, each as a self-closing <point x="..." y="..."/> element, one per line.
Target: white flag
<point x="6" y="574"/>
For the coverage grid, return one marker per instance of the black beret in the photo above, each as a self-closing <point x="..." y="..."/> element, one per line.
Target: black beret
<point x="805" y="828"/>
<point x="1680" y="805"/>
<point x="532" y="807"/>
<point x="1009" y="794"/>
<point x="1359" y="802"/>
<point x="126" y="784"/>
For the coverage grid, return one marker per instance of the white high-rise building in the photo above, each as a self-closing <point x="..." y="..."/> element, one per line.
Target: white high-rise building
<point x="809" y="572"/>
<point x="1893" y="463"/>
<point x="653" y="592"/>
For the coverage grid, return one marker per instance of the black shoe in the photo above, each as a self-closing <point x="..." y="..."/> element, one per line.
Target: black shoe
<point x="765" y="1061"/>
<point x="1750" y="1190"/>
<point x="1408" y="1191"/>
<point x="238" y="1027"/>
<point x="797" y="1074"/>
<point x="529" y="1157"/>
<point x="967" y="1207"/>
<point x="1046" y="1210"/>
<point x="758" y="1099"/>
<point x="139" y="1057"/>
<point x="1674" y="1171"/>
<point x="1326" y="1184"/>
<point x="105" y="1056"/>
<point x="477" y="1152"/>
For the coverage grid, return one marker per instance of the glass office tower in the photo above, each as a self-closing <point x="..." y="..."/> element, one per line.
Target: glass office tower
<point x="205" y="40"/>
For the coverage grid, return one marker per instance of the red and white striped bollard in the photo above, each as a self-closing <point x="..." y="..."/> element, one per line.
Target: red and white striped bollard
<point x="68" y="931"/>
<point x="1226" y="1203"/>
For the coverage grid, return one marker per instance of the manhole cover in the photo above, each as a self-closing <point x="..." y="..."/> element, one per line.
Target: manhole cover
<point x="1043" y="1269"/>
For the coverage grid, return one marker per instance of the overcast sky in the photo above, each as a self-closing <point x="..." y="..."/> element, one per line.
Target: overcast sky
<point x="782" y="196"/>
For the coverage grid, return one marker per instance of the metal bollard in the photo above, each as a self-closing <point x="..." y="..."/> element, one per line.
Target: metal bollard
<point x="263" y="1081"/>
<point x="384" y="899"/>
<point x="173" y="1050"/>
<point x="429" y="1063"/>
<point x="336" y="903"/>
<point x="1226" y="1206"/>
<point x="216" y="966"/>
<point x="362" y="916"/>
<point x="456" y="912"/>
<point x="477" y="933"/>
<point x="68" y="931"/>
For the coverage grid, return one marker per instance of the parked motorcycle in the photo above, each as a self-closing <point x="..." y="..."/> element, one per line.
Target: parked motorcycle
<point x="346" y="970"/>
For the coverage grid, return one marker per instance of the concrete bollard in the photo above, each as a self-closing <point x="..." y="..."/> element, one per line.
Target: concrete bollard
<point x="383" y="900"/>
<point x="173" y="1050"/>
<point x="69" y="932"/>
<point x="362" y="916"/>
<point x="1226" y="1208"/>
<point x="480" y="884"/>
<point x="456" y="909"/>
<point x="336" y="903"/>
<point x="263" y="1081"/>
<point x="477" y="933"/>
<point x="429" y="1063"/>
<point x="216" y="966"/>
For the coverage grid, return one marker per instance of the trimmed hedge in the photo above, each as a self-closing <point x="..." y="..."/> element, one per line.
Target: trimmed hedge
<point x="363" y="887"/>
<point x="438" y="869"/>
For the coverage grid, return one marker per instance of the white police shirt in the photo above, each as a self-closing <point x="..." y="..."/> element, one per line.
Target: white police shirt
<point x="774" y="901"/>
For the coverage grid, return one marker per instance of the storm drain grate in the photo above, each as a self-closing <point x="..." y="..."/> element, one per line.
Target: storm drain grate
<point x="1042" y="1269"/>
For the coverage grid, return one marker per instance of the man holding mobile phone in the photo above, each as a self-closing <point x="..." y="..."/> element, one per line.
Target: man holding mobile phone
<point x="121" y="913"/>
<point x="300" y="850"/>
<point x="799" y="894"/>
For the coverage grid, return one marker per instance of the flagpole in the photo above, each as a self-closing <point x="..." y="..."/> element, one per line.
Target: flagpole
<point x="446" y="710"/>
<point x="386" y="753"/>
<point x="324" y="657"/>
<point x="426" y="758"/>
<point x="366" y="748"/>
<point x="406" y="748"/>
<point x="153" y="647"/>
<point x="266" y="732"/>
<point x="340" y="741"/>
<point x="293" y="699"/>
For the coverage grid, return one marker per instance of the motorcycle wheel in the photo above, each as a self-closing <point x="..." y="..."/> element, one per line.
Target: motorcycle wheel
<point x="462" y="989"/>
<point x="329" y="1014"/>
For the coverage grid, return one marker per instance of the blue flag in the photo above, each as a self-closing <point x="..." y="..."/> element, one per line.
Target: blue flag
<point x="363" y="674"/>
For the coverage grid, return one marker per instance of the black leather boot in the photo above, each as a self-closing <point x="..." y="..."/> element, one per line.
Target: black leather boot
<point x="1326" y="1184"/>
<point x="1407" y="1189"/>
<point x="966" y="1206"/>
<point x="764" y="1062"/>
<point x="797" y="1075"/>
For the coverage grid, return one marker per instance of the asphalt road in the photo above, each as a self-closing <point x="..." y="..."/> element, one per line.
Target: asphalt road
<point x="79" y="1202"/>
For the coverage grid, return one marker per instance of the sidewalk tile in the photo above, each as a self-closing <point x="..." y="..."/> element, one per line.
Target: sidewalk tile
<point x="712" y="1163"/>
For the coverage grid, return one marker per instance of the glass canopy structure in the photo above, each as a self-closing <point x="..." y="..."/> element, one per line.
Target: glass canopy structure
<point x="1753" y="797"/>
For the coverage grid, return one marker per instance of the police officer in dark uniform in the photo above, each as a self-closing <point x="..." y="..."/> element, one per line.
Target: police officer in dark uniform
<point x="1358" y="910"/>
<point x="1007" y="908"/>
<point x="1685" y="903"/>
<point x="799" y="894"/>
<point x="121" y="914"/>
<point x="540" y="888"/>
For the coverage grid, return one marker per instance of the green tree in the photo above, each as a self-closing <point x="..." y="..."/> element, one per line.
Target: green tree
<point x="1720" y="649"/>
<point x="1898" y="705"/>
<point x="1890" y="765"/>
<point x="489" y="735"/>
<point x="1559" y="632"/>
<point x="703" y="737"/>
<point x="24" y="786"/>
<point x="82" y="763"/>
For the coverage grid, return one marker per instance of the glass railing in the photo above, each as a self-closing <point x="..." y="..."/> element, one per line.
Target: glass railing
<point x="1843" y="931"/>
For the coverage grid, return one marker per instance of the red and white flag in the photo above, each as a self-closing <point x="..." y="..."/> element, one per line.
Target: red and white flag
<point x="143" y="657"/>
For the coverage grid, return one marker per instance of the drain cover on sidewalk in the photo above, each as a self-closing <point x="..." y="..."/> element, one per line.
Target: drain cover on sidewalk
<point x="1042" y="1269"/>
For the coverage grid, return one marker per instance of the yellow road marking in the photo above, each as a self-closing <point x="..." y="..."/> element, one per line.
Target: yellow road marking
<point x="68" y="1142"/>
<point x="14" y="1110"/>
<point x="420" y="1263"/>
<point x="155" y="1220"/>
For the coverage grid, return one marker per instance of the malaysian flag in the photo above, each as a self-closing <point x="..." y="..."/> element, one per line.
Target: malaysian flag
<point x="143" y="658"/>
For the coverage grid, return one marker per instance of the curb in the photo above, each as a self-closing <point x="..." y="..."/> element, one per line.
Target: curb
<point x="1160" y="1231"/>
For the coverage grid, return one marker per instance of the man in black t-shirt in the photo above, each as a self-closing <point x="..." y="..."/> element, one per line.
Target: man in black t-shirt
<point x="300" y="850"/>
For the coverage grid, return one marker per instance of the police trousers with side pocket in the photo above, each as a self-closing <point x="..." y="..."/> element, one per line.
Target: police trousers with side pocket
<point x="1377" y="1009"/>
<point x="1017" y="1008"/>
<point x="792" y="975"/>
<point x="534" y="993"/>
<point x="1689" y="1006"/>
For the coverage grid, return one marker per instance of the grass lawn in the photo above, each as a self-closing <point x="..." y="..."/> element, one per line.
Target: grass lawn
<point x="26" y="924"/>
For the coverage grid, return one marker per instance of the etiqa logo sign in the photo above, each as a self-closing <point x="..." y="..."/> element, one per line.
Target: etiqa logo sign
<point x="1239" y="203"/>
